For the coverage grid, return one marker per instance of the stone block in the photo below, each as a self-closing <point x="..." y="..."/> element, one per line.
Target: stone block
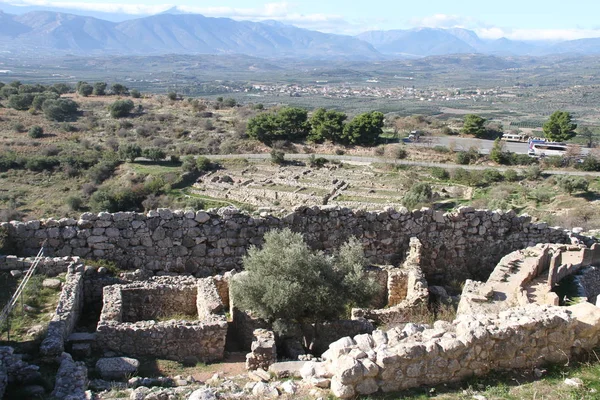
<point x="117" y="368"/>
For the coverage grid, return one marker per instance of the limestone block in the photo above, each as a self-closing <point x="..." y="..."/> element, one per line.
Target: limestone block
<point x="117" y="368"/>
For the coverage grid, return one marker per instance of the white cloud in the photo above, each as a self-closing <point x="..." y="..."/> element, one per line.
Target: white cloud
<point x="444" y="21"/>
<point x="487" y="31"/>
<point x="538" y="34"/>
<point x="280" y="11"/>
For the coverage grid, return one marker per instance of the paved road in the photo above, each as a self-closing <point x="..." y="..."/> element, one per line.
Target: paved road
<point x="484" y="146"/>
<point x="369" y="159"/>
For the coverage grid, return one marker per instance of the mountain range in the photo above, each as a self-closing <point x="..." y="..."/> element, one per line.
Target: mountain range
<point x="52" y="33"/>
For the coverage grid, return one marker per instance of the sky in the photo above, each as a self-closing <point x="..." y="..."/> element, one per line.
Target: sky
<point x="513" y="19"/>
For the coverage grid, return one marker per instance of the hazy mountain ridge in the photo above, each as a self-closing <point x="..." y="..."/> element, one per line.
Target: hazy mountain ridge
<point x="166" y="33"/>
<point x="175" y="32"/>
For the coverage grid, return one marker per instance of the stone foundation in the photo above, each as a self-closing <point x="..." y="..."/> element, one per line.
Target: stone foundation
<point x="127" y="327"/>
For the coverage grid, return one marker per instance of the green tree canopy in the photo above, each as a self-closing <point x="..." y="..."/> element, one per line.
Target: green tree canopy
<point x="289" y="123"/>
<point x="121" y="108"/>
<point x="130" y="151"/>
<point x="20" y="101"/>
<point x="326" y="125"/>
<point x="40" y="98"/>
<point x="364" y="129"/>
<point x="100" y="88"/>
<point x="119" y="89"/>
<point x="287" y="280"/>
<point x="154" y="153"/>
<point x="474" y="125"/>
<point x="59" y="109"/>
<point x="559" y="128"/>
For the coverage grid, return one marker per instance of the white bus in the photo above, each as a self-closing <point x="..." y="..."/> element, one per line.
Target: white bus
<point x="514" y="137"/>
<point x="542" y="149"/>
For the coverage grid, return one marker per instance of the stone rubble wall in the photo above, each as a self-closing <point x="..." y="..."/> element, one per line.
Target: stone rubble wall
<point x="589" y="279"/>
<point x="15" y="370"/>
<point x="407" y="289"/>
<point x="142" y="302"/>
<point x="188" y="340"/>
<point x="49" y="266"/>
<point x="71" y="379"/>
<point x="465" y="243"/>
<point x="68" y="310"/>
<point x="3" y="379"/>
<point x="472" y="345"/>
<point x="263" y="351"/>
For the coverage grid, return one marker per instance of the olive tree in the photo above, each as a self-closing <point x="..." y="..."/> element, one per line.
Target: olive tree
<point x="286" y="280"/>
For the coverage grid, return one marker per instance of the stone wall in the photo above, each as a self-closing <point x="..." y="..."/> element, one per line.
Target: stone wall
<point x="71" y="379"/>
<point x="407" y="290"/>
<point x="471" y="345"/>
<point x="589" y="279"/>
<point x="3" y="379"/>
<point x="49" y="266"/>
<point x="68" y="310"/>
<point x="466" y="243"/>
<point x="190" y="339"/>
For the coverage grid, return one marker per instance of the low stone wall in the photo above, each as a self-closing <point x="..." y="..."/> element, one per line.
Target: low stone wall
<point x="471" y="345"/>
<point x="49" y="266"/>
<point x="457" y="245"/>
<point x="71" y="379"/>
<point x="186" y="340"/>
<point x="3" y="379"/>
<point x="68" y="310"/>
<point x="16" y="371"/>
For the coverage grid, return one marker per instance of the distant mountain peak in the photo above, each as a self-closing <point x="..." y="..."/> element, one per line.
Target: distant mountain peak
<point x="173" y="11"/>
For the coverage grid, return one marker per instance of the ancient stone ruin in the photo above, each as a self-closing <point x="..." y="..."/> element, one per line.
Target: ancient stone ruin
<point x="175" y="318"/>
<point x="171" y="299"/>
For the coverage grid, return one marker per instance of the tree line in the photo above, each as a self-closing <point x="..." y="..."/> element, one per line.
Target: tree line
<point x="293" y="123"/>
<point x="558" y="128"/>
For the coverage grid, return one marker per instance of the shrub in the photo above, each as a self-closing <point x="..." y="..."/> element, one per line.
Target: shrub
<point x="36" y="132"/>
<point x="189" y="164"/>
<point x="492" y="175"/>
<point x="20" y="101"/>
<point x="102" y="171"/>
<point x="279" y="275"/>
<point x="172" y="96"/>
<point x="121" y="108"/>
<point x="317" y="162"/>
<point x="400" y="153"/>
<point x="572" y="184"/>
<point x="511" y="175"/>
<point x="590" y="163"/>
<point x="203" y="164"/>
<point x="59" y="109"/>
<point x="533" y="173"/>
<point x="135" y="93"/>
<point x="18" y="127"/>
<point x="277" y="157"/>
<point x="419" y="193"/>
<point x="130" y="151"/>
<point x="154" y="153"/>
<point x="463" y="158"/>
<point x="74" y="203"/>
<point x="441" y="149"/>
<point x="440" y="173"/>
